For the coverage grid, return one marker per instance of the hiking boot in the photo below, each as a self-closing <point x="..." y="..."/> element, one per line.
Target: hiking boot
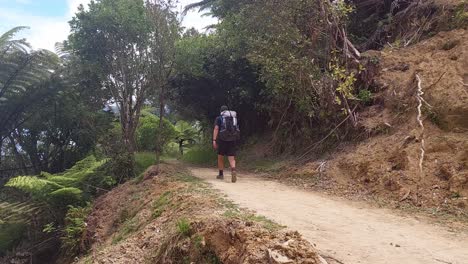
<point x="220" y="177"/>
<point x="234" y="176"/>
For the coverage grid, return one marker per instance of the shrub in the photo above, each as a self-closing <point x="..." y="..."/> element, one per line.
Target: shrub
<point x="148" y="131"/>
<point x="61" y="190"/>
<point x="75" y="228"/>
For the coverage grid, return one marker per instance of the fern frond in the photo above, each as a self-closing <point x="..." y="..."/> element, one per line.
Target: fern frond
<point x="6" y="38"/>
<point x="202" y="5"/>
<point x="18" y="212"/>
<point x="33" y="185"/>
<point x="66" y="196"/>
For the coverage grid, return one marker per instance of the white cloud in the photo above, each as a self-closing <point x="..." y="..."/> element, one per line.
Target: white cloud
<point x="194" y="18"/>
<point x="44" y="31"/>
<point x="73" y="6"/>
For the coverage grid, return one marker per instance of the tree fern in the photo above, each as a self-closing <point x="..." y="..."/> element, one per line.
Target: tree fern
<point x="37" y="187"/>
<point x="60" y="189"/>
<point x="18" y="212"/>
<point x="7" y="42"/>
<point x="24" y="74"/>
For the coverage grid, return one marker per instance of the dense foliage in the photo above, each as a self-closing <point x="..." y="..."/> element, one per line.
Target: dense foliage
<point x="279" y="63"/>
<point x="49" y="117"/>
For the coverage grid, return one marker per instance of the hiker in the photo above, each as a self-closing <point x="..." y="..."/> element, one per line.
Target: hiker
<point x="225" y="136"/>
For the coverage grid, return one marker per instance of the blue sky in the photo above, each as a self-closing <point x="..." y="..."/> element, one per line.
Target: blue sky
<point x="47" y="19"/>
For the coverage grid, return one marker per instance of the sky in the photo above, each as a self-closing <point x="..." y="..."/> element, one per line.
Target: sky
<point x="48" y="19"/>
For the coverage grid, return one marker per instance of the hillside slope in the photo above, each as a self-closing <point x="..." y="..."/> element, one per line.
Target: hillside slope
<point x="386" y="164"/>
<point x="176" y="218"/>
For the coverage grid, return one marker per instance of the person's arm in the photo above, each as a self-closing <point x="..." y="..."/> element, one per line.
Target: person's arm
<point x="215" y="136"/>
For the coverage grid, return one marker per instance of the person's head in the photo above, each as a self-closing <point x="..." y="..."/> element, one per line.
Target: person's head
<point x="224" y="108"/>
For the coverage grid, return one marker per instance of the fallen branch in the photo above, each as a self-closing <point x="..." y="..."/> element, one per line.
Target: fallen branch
<point x="312" y="147"/>
<point x="438" y="80"/>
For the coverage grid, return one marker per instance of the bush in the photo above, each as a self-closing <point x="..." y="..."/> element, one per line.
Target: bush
<point x="148" y="131"/>
<point x="122" y="166"/>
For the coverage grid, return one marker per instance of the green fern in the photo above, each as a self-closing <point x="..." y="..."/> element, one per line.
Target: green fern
<point x="18" y="212"/>
<point x="37" y="187"/>
<point x="23" y="75"/>
<point x="60" y="189"/>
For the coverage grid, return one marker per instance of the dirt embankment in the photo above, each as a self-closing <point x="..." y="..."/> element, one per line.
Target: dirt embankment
<point x="386" y="164"/>
<point x="176" y="218"/>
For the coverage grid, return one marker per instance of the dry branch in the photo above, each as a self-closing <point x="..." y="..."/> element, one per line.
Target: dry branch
<point x="312" y="147"/>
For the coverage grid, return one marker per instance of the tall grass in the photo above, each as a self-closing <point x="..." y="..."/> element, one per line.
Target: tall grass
<point x="143" y="160"/>
<point x="200" y="155"/>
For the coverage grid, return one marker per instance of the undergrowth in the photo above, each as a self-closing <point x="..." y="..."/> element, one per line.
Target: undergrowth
<point x="75" y="226"/>
<point x="128" y="227"/>
<point x="161" y="203"/>
<point x="183" y="227"/>
<point x="143" y="160"/>
<point x="200" y="155"/>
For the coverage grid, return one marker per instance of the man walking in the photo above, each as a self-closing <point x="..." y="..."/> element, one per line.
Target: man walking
<point x="225" y="136"/>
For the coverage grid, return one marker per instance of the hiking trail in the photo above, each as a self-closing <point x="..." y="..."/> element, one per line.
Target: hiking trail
<point x="352" y="232"/>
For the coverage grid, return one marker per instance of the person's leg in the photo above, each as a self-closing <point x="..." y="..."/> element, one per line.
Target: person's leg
<point x="220" y="165"/>
<point x="221" y="154"/>
<point x="232" y="163"/>
<point x="231" y="153"/>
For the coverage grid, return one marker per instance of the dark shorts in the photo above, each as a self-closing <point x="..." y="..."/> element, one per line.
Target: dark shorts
<point x="227" y="148"/>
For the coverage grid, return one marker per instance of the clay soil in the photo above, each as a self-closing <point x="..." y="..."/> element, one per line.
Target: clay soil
<point x="385" y="165"/>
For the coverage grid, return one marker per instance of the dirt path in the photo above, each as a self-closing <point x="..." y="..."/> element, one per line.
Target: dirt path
<point x="349" y="231"/>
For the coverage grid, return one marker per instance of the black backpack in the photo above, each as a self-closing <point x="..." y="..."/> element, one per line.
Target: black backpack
<point x="229" y="130"/>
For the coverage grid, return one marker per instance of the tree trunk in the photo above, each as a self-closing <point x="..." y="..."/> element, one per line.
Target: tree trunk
<point x="158" y="137"/>
<point x="19" y="158"/>
<point x="181" y="147"/>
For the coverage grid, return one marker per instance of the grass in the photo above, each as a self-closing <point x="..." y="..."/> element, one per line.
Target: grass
<point x="161" y="203"/>
<point x="183" y="227"/>
<point x="128" y="223"/>
<point x="200" y="155"/>
<point x="126" y="229"/>
<point x="249" y="217"/>
<point x="143" y="160"/>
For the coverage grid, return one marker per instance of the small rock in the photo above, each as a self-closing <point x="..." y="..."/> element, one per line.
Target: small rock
<point x="275" y="257"/>
<point x="286" y="244"/>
